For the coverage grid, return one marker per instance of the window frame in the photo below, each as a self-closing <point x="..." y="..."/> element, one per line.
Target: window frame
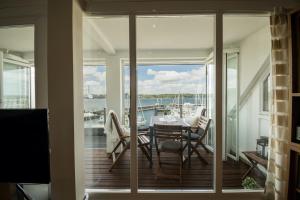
<point x="20" y="62"/>
<point x="217" y="192"/>
<point x="266" y="77"/>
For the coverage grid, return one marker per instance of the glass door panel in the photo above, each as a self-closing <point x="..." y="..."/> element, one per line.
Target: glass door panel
<point x="17" y="67"/>
<point x="16" y="91"/>
<point x="107" y="135"/>
<point x="232" y="107"/>
<point x="211" y="112"/>
<point x="247" y="47"/>
<point x="172" y="51"/>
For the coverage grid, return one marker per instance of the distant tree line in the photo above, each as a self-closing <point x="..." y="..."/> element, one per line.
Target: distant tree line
<point x="155" y="96"/>
<point x="152" y="96"/>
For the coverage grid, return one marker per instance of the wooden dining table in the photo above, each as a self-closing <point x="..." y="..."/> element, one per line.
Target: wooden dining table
<point x="168" y="120"/>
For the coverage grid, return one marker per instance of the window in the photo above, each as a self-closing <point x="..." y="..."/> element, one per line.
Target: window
<point x="17" y="74"/>
<point x="265" y="94"/>
<point x="105" y="44"/>
<point x="17" y="89"/>
<point x="167" y="48"/>
<point x="94" y="91"/>
<point x="244" y="59"/>
<point x="172" y="53"/>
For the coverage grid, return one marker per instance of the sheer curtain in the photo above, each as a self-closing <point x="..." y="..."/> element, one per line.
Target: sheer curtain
<point x="277" y="174"/>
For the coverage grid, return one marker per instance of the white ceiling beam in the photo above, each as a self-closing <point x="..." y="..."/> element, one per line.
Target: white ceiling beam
<point x="101" y="39"/>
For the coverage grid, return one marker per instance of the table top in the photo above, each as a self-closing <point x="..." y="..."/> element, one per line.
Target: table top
<point x="168" y="120"/>
<point x="252" y="155"/>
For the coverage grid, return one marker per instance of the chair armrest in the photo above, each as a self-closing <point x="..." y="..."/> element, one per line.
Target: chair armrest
<point x="194" y="127"/>
<point x="190" y="129"/>
<point x="143" y="133"/>
<point x="126" y="136"/>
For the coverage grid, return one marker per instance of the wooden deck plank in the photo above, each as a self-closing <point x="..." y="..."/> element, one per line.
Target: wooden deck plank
<point x="199" y="176"/>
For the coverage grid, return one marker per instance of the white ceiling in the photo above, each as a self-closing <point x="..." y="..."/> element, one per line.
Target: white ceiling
<point x="18" y="38"/>
<point x="168" y="32"/>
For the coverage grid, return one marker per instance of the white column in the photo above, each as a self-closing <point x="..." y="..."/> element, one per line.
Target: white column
<point x="1" y="79"/>
<point x="218" y="52"/>
<point x="113" y="92"/>
<point x="65" y="99"/>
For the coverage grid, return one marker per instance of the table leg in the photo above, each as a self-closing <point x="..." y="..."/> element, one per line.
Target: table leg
<point x="253" y="165"/>
<point x="247" y="172"/>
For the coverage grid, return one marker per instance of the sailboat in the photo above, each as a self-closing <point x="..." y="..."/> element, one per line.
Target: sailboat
<point x="141" y="120"/>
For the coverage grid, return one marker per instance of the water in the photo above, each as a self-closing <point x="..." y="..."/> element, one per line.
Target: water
<point x="94" y="104"/>
<point x="100" y="104"/>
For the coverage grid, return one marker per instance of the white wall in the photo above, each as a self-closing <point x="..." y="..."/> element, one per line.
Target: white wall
<point x="254" y="50"/>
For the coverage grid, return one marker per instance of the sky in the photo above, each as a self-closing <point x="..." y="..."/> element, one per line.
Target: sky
<point x="94" y="80"/>
<point x="169" y="79"/>
<point x="152" y="79"/>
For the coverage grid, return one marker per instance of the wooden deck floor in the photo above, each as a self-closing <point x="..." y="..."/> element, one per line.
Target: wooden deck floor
<point x="199" y="176"/>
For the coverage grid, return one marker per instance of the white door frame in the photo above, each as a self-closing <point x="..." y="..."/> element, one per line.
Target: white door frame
<point x="40" y="53"/>
<point x="217" y="191"/>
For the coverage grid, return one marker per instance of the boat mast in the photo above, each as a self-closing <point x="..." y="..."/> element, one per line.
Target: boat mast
<point x="141" y="108"/>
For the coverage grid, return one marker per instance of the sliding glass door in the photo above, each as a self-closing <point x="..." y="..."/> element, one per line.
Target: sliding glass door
<point x="17" y="87"/>
<point x="246" y="56"/>
<point x="232" y="104"/>
<point x="173" y="81"/>
<point x="17" y="90"/>
<point x="211" y="100"/>
<point x="107" y="132"/>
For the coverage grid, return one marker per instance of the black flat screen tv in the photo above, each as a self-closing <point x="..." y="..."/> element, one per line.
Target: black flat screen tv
<point x="24" y="146"/>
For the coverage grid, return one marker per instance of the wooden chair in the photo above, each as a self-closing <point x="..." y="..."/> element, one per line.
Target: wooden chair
<point x="197" y="135"/>
<point x="124" y="142"/>
<point x="168" y="139"/>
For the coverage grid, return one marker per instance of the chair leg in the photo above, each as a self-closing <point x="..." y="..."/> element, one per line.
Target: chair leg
<point x="185" y="146"/>
<point x="204" y="147"/>
<point x="145" y="152"/>
<point x="158" y="158"/>
<point x="118" y="157"/>
<point x="180" y="167"/>
<point x="199" y="156"/>
<point x="115" y="149"/>
<point x="158" y="169"/>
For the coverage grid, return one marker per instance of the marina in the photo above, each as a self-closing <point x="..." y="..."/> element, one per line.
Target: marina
<point x="95" y="117"/>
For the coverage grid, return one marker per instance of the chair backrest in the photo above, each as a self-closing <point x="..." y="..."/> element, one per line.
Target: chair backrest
<point x="203" y="112"/>
<point x="203" y="125"/>
<point x="117" y="125"/>
<point x="167" y="132"/>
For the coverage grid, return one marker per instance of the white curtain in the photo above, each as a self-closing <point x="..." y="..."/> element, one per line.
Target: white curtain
<point x="277" y="173"/>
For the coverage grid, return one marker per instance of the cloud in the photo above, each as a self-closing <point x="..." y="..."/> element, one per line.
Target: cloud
<point x="94" y="81"/>
<point x="87" y="70"/>
<point x="152" y="87"/>
<point x="170" y="76"/>
<point x="91" y="83"/>
<point x="173" y="82"/>
<point x="151" y="72"/>
<point x="100" y="75"/>
<point x="157" y="82"/>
